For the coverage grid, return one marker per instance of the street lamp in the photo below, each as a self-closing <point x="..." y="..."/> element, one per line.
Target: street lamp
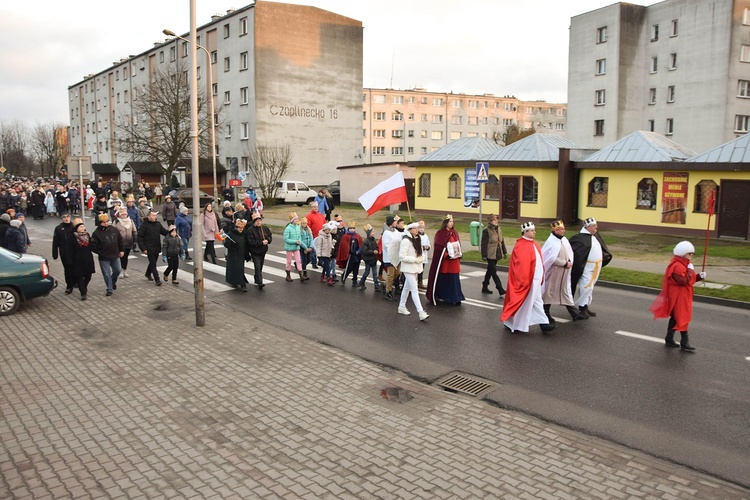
<point x="210" y="95"/>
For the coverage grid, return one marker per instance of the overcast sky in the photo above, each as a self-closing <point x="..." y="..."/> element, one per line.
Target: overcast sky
<point x="501" y="47"/>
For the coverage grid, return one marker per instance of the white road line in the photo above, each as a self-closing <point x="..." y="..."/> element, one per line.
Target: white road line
<point x="748" y="358"/>
<point x="220" y="270"/>
<point x="186" y="278"/>
<point x="639" y="336"/>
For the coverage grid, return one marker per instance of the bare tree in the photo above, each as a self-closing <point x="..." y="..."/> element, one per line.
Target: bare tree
<point x="158" y="130"/>
<point x="512" y="134"/>
<point x="49" y="146"/>
<point x="14" y="137"/>
<point x="269" y="164"/>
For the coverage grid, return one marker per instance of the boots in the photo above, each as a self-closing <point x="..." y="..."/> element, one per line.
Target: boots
<point x="583" y="311"/>
<point x="485" y="289"/>
<point x="550" y="319"/>
<point x="575" y="314"/>
<point x="669" y="339"/>
<point x="302" y="277"/>
<point x="213" y="258"/>
<point x="289" y="276"/>
<point x="305" y="274"/>
<point x="500" y="290"/>
<point x="685" y="342"/>
<point x="421" y="285"/>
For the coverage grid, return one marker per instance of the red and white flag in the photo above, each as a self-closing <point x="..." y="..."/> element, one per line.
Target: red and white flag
<point x="388" y="192"/>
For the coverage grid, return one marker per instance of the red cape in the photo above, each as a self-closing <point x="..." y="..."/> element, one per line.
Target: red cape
<point x="439" y="256"/>
<point x="676" y="297"/>
<point x="520" y="276"/>
<point x="343" y="247"/>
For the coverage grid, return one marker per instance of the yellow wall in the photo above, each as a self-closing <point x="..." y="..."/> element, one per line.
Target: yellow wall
<point x="623" y="191"/>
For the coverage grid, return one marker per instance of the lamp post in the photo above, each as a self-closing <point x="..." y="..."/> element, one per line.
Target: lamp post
<point x="212" y="118"/>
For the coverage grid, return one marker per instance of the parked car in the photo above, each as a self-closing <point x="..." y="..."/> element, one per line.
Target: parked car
<point x="22" y="277"/>
<point x="335" y="189"/>
<point x="186" y="196"/>
<point x="294" y="192"/>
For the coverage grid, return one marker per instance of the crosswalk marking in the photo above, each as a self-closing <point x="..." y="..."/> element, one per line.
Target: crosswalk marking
<point x="638" y="336"/>
<point x="186" y="277"/>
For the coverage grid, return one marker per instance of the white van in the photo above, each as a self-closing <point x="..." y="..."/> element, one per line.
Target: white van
<point x="294" y="192"/>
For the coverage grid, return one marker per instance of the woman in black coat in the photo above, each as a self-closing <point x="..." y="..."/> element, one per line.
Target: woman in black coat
<point x="81" y="257"/>
<point x="238" y="252"/>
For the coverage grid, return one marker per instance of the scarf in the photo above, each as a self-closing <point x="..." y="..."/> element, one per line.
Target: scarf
<point x="82" y="239"/>
<point x="127" y="223"/>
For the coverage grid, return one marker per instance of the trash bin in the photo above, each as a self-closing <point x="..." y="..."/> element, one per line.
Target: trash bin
<point x="475" y="231"/>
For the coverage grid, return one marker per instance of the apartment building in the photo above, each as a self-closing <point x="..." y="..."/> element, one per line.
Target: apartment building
<point x="404" y="125"/>
<point x="281" y="73"/>
<point x="680" y="68"/>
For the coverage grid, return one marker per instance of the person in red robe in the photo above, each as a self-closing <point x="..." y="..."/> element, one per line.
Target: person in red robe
<point x="523" y="305"/>
<point x="443" y="282"/>
<point x="676" y="298"/>
<point x="349" y="253"/>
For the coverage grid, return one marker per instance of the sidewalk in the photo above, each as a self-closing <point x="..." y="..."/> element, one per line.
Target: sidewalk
<point x="123" y="397"/>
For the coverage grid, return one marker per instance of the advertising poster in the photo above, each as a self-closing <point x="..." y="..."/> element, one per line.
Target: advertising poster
<point x="674" y="197"/>
<point x="471" y="188"/>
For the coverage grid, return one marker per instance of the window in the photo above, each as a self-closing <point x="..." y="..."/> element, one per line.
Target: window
<point x="214" y="56"/>
<point x="599" y="98"/>
<point x="437" y="118"/>
<point x="598" y="127"/>
<point x="184" y="49"/>
<point x="670" y="126"/>
<point x="411" y="133"/>
<point x="423" y="134"/>
<point x="651" y="127"/>
<point x="396" y="116"/>
<point x="598" y="188"/>
<point x="397" y="99"/>
<point x="215" y="88"/>
<point x="746" y="16"/>
<point x="436" y="135"/>
<point x="654" y="32"/>
<point x="243" y="26"/>
<point x="601" y="66"/>
<point x="425" y="185"/>
<point x="703" y="192"/>
<point x="646" y="196"/>
<point x="226" y="31"/>
<point x="364" y="115"/>
<point x="423" y="100"/>
<point x="423" y="150"/>
<point x="492" y="188"/>
<point x="379" y="116"/>
<point x="438" y="101"/>
<point x="410" y="150"/>
<point x="601" y="34"/>
<point x="378" y="150"/>
<point x="743" y="88"/>
<point x="654" y="65"/>
<point x="378" y="99"/>
<point x="456" y="120"/>
<point x="172" y="53"/>
<point x="243" y="61"/>
<point x="530" y="189"/>
<point x="411" y="117"/>
<point x="473" y="120"/>
<point x="397" y="133"/>
<point x="227" y="97"/>
<point x="673" y="60"/>
<point x="424" y="117"/>
<point x="454" y="186"/>
<point x="673" y="32"/>
<point x="245" y="126"/>
<point x="652" y="96"/>
<point x="741" y="123"/>
<point x="161" y="56"/>
<point x="397" y="151"/>
<point x="378" y="133"/>
<point x="457" y="103"/>
<point x="229" y="131"/>
<point x="227" y="64"/>
<point x="473" y="104"/>
<point x="745" y="53"/>
<point x="670" y="93"/>
<point x="455" y="135"/>
<point x="243" y="95"/>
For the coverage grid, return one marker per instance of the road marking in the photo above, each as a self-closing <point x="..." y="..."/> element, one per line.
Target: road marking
<point x="639" y="336"/>
<point x="187" y="278"/>
<point x="221" y="271"/>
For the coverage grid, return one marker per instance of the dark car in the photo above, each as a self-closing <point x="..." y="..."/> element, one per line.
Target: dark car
<point x="22" y="277"/>
<point x="186" y="196"/>
<point x="335" y="189"/>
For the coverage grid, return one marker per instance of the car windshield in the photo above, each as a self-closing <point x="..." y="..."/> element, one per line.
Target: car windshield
<point x="7" y="253"/>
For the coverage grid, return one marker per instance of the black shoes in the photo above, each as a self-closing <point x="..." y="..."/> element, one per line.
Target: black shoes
<point x="669" y="340"/>
<point x="547" y="328"/>
<point x="486" y="290"/>
<point x="389" y="296"/>
<point x="575" y="314"/>
<point x="109" y="293"/>
<point x="685" y="342"/>
<point x="68" y="291"/>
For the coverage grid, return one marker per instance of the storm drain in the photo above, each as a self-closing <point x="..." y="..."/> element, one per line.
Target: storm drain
<point x="465" y="384"/>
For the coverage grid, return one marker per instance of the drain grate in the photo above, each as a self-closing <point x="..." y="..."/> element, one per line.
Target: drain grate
<point x="465" y="384"/>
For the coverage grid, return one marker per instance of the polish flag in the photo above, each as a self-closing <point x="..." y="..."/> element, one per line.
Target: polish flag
<point x="388" y="192"/>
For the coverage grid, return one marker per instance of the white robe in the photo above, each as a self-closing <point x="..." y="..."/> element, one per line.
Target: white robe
<point x="585" y="288"/>
<point x="531" y="311"/>
<point x="556" y="252"/>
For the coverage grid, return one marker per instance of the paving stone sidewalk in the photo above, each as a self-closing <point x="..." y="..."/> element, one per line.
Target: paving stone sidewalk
<point x="123" y="397"/>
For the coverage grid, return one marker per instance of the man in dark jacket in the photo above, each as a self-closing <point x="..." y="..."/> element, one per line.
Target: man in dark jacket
<point x="149" y="241"/>
<point x="60" y="245"/>
<point x="15" y="240"/>
<point x="37" y="203"/>
<point x="107" y="243"/>
<point x="169" y="211"/>
<point x="259" y="237"/>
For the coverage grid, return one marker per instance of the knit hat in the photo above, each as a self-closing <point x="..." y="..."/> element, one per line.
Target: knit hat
<point x="183" y="209"/>
<point x="683" y="248"/>
<point x="171" y="228"/>
<point x="389" y="220"/>
<point x="527" y="226"/>
<point x="19" y="215"/>
<point x="491" y="217"/>
<point x="15" y="223"/>
<point x="227" y="203"/>
<point x="589" y="222"/>
<point x="5" y="217"/>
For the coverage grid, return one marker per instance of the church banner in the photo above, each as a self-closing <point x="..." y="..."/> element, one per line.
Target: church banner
<point x="674" y="197"/>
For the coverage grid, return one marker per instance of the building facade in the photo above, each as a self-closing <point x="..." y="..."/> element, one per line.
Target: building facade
<point x="680" y="68"/>
<point x="404" y="125"/>
<point x="282" y="74"/>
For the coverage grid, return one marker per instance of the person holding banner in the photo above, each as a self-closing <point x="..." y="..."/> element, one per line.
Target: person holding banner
<point x="443" y="283"/>
<point x="676" y="298"/>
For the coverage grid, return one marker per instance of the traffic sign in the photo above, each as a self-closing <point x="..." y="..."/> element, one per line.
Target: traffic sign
<point x="241" y="176"/>
<point x="235" y="182"/>
<point x="483" y="171"/>
<point x="2" y="170"/>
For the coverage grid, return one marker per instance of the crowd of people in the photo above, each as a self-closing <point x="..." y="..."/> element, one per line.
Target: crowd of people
<point x="562" y="272"/>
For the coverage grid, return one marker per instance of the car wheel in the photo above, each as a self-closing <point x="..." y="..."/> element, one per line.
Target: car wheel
<point x="10" y="299"/>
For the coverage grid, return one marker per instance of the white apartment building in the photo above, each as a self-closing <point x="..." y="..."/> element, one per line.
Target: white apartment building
<point x="679" y="67"/>
<point x="286" y="74"/>
<point x="404" y="125"/>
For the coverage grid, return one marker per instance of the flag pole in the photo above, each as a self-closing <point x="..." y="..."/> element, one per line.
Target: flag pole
<point x="711" y="203"/>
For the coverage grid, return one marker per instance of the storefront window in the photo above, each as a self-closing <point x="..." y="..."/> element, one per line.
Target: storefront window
<point x="703" y="195"/>
<point x="530" y="189"/>
<point x="646" y="194"/>
<point x="598" y="188"/>
<point x="454" y="186"/>
<point x="425" y="184"/>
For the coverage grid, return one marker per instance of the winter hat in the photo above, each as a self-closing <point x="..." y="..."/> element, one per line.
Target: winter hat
<point x="683" y="248"/>
<point x="227" y="203"/>
<point x="171" y="228"/>
<point x="491" y="217"/>
<point x="183" y="209"/>
<point x="19" y="215"/>
<point x="5" y="217"/>
<point x="15" y="223"/>
<point x="389" y="220"/>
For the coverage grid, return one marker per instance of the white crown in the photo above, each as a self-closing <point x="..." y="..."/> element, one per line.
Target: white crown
<point x="527" y="226"/>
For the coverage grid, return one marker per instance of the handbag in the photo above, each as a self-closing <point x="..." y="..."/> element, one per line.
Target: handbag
<point x="454" y="249"/>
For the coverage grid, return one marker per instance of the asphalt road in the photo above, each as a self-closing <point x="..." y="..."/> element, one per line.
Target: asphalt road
<point x="610" y="375"/>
